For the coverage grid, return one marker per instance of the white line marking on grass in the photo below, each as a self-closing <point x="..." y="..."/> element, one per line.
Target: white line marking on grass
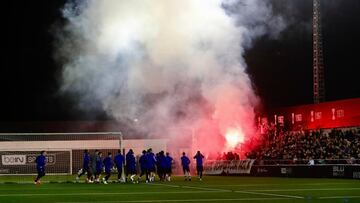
<point x="303" y="189"/>
<point x="244" y="192"/>
<point x="186" y="200"/>
<point x="293" y="184"/>
<point x="340" y="197"/>
<point x="100" y="193"/>
<point x="208" y="189"/>
<point x="192" y="187"/>
<point x="271" y="194"/>
<point x="167" y="185"/>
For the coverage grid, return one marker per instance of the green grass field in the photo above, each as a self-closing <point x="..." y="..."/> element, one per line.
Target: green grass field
<point x="211" y="189"/>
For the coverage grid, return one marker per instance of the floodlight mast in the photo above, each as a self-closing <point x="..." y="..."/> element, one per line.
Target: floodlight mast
<point x="318" y="62"/>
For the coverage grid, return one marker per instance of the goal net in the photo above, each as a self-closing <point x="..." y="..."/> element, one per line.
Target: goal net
<point x="18" y="152"/>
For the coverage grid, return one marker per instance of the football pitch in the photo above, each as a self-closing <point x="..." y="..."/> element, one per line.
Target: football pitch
<point x="211" y="189"/>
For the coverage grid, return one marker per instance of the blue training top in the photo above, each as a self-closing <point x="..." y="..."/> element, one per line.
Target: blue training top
<point x="199" y="159"/>
<point x="119" y="160"/>
<point x="86" y="161"/>
<point x="143" y="162"/>
<point x="150" y="160"/>
<point x="108" y="163"/>
<point x="185" y="161"/>
<point x="162" y="161"/>
<point x="130" y="161"/>
<point x="40" y="161"/>
<point x="168" y="160"/>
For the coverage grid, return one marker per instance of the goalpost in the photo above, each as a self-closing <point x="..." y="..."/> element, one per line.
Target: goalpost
<point x="18" y="151"/>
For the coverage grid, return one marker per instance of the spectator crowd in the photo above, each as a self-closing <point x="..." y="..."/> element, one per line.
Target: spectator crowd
<point x="309" y="145"/>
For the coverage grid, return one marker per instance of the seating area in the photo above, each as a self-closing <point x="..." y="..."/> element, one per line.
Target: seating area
<point x="302" y="146"/>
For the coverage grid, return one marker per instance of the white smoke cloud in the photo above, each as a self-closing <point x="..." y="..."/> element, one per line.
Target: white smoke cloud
<point x="166" y="63"/>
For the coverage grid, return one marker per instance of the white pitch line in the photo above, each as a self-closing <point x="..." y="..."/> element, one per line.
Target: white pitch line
<point x="186" y="200"/>
<point x="303" y="189"/>
<point x="270" y="194"/>
<point x="340" y="197"/>
<point x="193" y="187"/>
<point x="167" y="185"/>
<point x="99" y="193"/>
<point x="244" y="192"/>
<point x="265" y="185"/>
<point x="208" y="189"/>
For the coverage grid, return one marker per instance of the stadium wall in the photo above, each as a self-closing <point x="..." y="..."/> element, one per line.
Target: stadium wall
<point x="248" y="168"/>
<point x="335" y="114"/>
<point x="301" y="171"/>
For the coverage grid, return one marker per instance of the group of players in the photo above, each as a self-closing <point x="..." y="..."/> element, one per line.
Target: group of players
<point x="150" y="165"/>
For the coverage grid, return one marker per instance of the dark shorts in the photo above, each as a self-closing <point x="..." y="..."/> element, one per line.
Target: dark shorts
<point x="98" y="171"/>
<point x="168" y="171"/>
<point x="151" y="169"/>
<point x="143" y="170"/>
<point x="186" y="169"/>
<point x="40" y="169"/>
<point x="93" y="169"/>
<point x="131" y="171"/>
<point x="119" y="169"/>
<point x="199" y="168"/>
<point x="161" y="170"/>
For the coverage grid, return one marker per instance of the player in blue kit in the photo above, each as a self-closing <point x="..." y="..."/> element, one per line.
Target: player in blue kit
<point x="99" y="167"/>
<point x="108" y="163"/>
<point x="157" y="164"/>
<point x="131" y="165"/>
<point x="119" y="162"/>
<point x="85" y="168"/>
<point x="151" y="163"/>
<point x="185" y="162"/>
<point x="168" y="169"/>
<point x="40" y="166"/>
<point x="161" y="159"/>
<point x="199" y="164"/>
<point x="143" y="166"/>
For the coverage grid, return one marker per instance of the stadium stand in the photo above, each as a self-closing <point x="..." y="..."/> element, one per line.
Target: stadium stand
<point x="323" y="146"/>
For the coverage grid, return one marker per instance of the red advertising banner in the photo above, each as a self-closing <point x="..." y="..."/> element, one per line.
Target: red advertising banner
<point x="335" y="114"/>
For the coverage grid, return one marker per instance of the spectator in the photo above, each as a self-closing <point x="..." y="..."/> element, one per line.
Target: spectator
<point x="300" y="145"/>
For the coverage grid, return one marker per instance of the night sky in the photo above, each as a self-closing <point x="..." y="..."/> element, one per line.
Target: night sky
<point x="280" y="68"/>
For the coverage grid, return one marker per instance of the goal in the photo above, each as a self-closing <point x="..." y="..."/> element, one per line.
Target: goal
<point x="18" y="151"/>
